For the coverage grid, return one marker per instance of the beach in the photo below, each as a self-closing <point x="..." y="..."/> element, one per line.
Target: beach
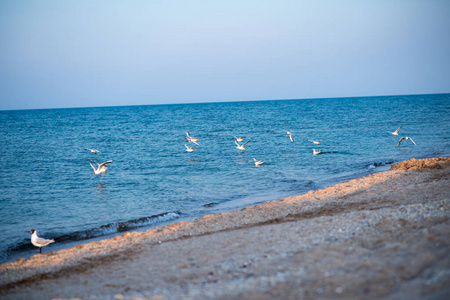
<point x="385" y="235"/>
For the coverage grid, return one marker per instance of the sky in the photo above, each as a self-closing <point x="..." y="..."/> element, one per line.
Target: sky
<point x="86" y="53"/>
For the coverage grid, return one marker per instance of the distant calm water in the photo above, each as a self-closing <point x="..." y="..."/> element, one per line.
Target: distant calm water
<point x="46" y="182"/>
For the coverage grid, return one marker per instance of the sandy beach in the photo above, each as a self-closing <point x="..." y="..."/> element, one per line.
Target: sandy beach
<point x="385" y="235"/>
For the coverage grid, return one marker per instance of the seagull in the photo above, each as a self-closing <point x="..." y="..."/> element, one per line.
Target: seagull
<point x="190" y="149"/>
<point x="239" y="139"/>
<point x="101" y="168"/>
<point x="395" y="132"/>
<point x="192" y="139"/>
<point x="290" y="136"/>
<point x="239" y="146"/>
<point x="315" y="142"/>
<point x="92" y="150"/>
<point x="316" y="152"/>
<point x="258" y="162"/>
<point x="405" y="138"/>
<point x="39" y="242"/>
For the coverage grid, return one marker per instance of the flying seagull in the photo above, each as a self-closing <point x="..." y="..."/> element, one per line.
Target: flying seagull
<point x="101" y="168"/>
<point x="405" y="138"/>
<point x="290" y="136"/>
<point x="241" y="147"/>
<point x="39" y="242"/>
<point x="190" y="149"/>
<point x="315" y="142"/>
<point x="258" y="162"/>
<point x="192" y="139"/>
<point x="239" y="139"/>
<point x="92" y="150"/>
<point x="316" y="152"/>
<point x="395" y="132"/>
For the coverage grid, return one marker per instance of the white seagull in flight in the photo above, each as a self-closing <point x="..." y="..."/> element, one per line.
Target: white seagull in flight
<point x="239" y="139"/>
<point x="101" y="168"/>
<point x="192" y="139"/>
<point x="241" y="147"/>
<point x="92" y="150"/>
<point x="39" y="242"/>
<point x="316" y="152"/>
<point x="190" y="149"/>
<point x="315" y="142"/>
<point x="290" y="135"/>
<point x="258" y="162"/>
<point x="405" y="138"/>
<point x="395" y="132"/>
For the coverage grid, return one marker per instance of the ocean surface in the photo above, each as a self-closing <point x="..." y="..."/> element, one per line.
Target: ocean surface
<point x="46" y="181"/>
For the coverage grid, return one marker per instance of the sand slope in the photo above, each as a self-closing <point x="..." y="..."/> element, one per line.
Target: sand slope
<point x="386" y="235"/>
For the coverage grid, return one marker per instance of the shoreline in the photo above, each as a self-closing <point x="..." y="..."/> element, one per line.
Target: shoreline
<point x="255" y="252"/>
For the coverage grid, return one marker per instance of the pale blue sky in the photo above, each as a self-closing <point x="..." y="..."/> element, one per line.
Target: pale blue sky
<point x="102" y="53"/>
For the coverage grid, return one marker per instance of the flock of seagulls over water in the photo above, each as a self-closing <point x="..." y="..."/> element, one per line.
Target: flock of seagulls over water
<point x="101" y="168"/>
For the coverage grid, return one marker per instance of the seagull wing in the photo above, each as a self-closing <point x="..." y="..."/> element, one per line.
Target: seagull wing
<point x="236" y="142"/>
<point x="188" y="135"/>
<point x="93" y="167"/>
<point x="398" y="129"/>
<point x="245" y="143"/>
<point x="413" y="141"/>
<point x="398" y="144"/>
<point x="291" y="137"/>
<point x="104" y="164"/>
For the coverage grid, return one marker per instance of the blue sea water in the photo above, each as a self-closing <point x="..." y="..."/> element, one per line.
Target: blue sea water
<point x="46" y="182"/>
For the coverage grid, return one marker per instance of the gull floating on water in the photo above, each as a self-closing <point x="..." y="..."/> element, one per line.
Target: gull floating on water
<point x="191" y="139"/>
<point x="405" y="138"/>
<point x="190" y="149"/>
<point x="241" y="147"/>
<point x="395" y="132"/>
<point x="92" y="150"/>
<point x="239" y="139"/>
<point x="39" y="242"/>
<point x="290" y="136"/>
<point x="316" y="152"/>
<point x="315" y="142"/>
<point x="101" y="168"/>
<point x="258" y="162"/>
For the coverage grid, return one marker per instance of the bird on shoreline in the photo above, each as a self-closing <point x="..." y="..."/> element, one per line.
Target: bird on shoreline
<point x="258" y="162"/>
<point x="39" y="242"/>
<point x="395" y="132"/>
<point x="92" y="150"/>
<point x="290" y="135"/>
<point x="406" y="138"/>
<point x="190" y="149"/>
<point x="316" y="152"/>
<point x="101" y="168"/>
<point x="191" y="139"/>
<point x="241" y="147"/>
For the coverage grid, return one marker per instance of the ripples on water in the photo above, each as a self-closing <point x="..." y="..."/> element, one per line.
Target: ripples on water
<point x="47" y="183"/>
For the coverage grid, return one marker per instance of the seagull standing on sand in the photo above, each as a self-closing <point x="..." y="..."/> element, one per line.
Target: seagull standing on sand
<point x="395" y="132"/>
<point x="405" y="138"/>
<point x="190" y="149"/>
<point x="101" y="168"/>
<point x="258" y="162"/>
<point x="92" y="150"/>
<point x="316" y="152"/>
<point x="290" y="136"/>
<point x="241" y="147"/>
<point x="191" y="139"/>
<point x="39" y="242"/>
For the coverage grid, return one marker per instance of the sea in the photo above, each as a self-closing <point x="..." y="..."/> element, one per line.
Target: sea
<point x="47" y="182"/>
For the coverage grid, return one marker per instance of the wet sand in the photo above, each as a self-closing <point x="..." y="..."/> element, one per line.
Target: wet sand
<point x="386" y="235"/>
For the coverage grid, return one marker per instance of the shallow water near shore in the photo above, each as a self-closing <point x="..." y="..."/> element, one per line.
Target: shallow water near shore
<point x="47" y="183"/>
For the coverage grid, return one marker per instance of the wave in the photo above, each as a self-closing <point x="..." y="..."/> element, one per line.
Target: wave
<point x="103" y="230"/>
